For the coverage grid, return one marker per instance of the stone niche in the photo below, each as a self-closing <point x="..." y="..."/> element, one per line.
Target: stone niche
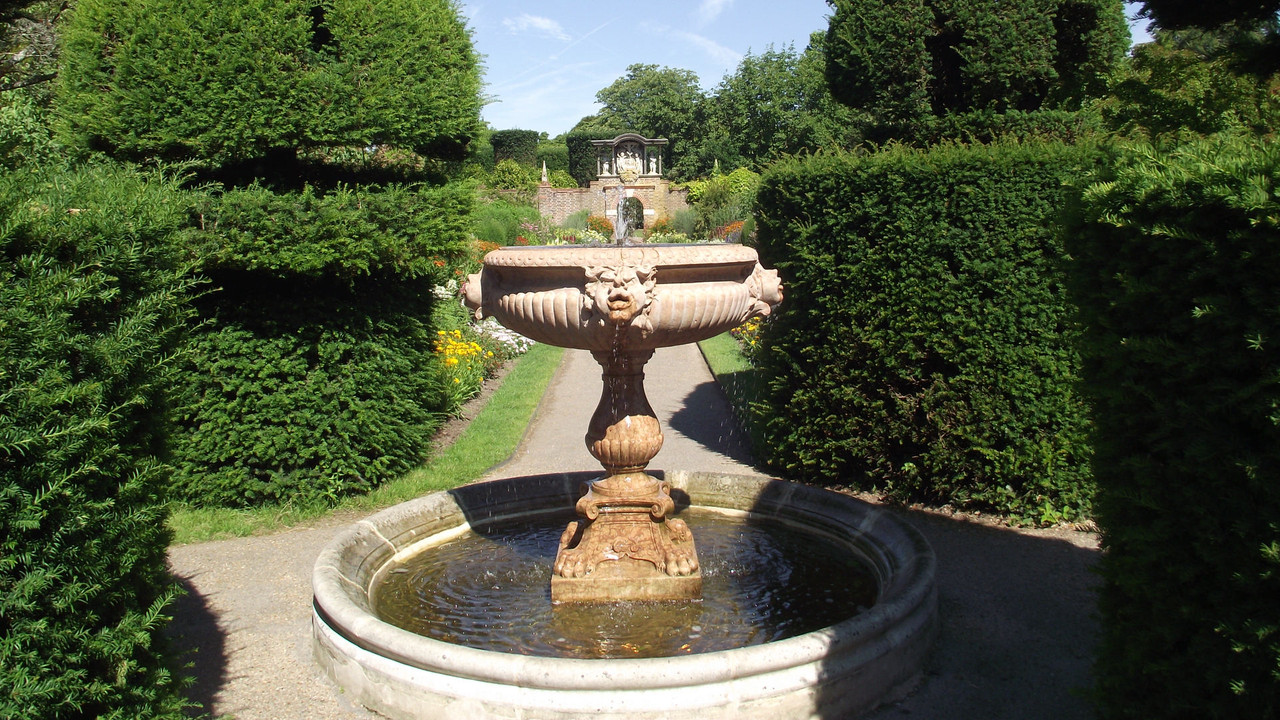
<point x="629" y="163"/>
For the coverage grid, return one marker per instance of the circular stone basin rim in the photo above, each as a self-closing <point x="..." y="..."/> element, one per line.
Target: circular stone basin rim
<point x="895" y="634"/>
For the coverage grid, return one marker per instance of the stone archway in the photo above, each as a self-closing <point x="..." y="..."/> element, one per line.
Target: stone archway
<point x="634" y="208"/>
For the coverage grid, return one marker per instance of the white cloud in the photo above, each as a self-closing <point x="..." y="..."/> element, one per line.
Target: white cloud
<point x="723" y="56"/>
<point x="545" y="26"/>
<point x="709" y="10"/>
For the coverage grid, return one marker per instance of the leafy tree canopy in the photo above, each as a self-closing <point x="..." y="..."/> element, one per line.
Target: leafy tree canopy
<point x="1182" y="14"/>
<point x="1193" y="83"/>
<point x="776" y="103"/>
<point x="655" y="102"/>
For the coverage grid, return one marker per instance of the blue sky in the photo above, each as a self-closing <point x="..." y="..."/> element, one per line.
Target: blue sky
<point x="544" y="61"/>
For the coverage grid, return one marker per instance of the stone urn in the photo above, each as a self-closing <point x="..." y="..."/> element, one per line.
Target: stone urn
<point x="621" y="302"/>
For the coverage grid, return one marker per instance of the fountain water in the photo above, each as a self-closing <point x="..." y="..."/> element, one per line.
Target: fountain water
<point x="621" y="302"/>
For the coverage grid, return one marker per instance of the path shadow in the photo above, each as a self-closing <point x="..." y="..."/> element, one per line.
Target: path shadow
<point x="200" y="643"/>
<point x="1018" y="628"/>
<point x="706" y="419"/>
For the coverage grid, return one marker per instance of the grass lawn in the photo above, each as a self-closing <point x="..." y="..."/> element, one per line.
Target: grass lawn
<point x="488" y="440"/>
<point x="740" y="381"/>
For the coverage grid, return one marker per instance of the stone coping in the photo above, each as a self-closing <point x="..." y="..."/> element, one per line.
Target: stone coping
<point x="848" y="667"/>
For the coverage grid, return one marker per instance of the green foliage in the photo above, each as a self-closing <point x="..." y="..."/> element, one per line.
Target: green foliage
<point x="777" y="103"/>
<point x="910" y="61"/>
<point x="25" y="138"/>
<point x="92" y="309"/>
<point x="499" y="222"/>
<point x="926" y="345"/>
<point x="555" y="156"/>
<point x="723" y="199"/>
<point x="347" y="232"/>
<point x="219" y="82"/>
<point x="582" y="154"/>
<point x="301" y="390"/>
<point x="518" y="145"/>
<point x="562" y="179"/>
<point x="657" y="103"/>
<point x="1189" y="84"/>
<point x="1179" y="14"/>
<point x="511" y="175"/>
<point x="1175" y="274"/>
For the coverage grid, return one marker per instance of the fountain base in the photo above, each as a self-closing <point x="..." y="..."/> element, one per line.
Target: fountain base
<point x="842" y="670"/>
<point x="625" y="547"/>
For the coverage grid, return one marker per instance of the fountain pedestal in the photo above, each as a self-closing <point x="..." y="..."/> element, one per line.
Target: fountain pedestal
<point x="621" y="302"/>
<point x="626" y="546"/>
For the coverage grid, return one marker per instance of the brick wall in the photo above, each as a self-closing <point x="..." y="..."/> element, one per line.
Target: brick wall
<point x="658" y="197"/>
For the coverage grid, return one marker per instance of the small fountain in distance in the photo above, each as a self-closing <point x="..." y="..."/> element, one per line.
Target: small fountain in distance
<point x="621" y="302"/>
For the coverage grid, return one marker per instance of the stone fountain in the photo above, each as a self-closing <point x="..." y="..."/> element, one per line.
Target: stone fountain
<point x="621" y="302"/>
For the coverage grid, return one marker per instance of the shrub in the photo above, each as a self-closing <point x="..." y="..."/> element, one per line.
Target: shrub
<point x="685" y="221"/>
<point x="498" y="222"/>
<point x="511" y="175"/>
<point x="347" y="232"/>
<point x="562" y="179"/>
<point x="92" y="307"/>
<point x="926" y="345"/>
<point x="1177" y="257"/>
<point x="582" y="154"/>
<point x="600" y="224"/>
<point x="576" y="221"/>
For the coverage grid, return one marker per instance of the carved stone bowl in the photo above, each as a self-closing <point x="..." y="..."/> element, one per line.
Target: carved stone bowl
<point x="639" y="297"/>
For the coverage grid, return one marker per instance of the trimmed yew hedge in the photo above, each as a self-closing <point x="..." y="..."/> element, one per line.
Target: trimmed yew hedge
<point x="93" y="304"/>
<point x="926" y="345"/>
<point x="1176" y="274"/>
<point x="310" y="374"/>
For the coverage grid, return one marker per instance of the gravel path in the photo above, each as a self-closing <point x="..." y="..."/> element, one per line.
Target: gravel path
<point x="1016" y="605"/>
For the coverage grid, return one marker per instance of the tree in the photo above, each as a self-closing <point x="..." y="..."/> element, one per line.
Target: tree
<point x="777" y="103"/>
<point x="1183" y="14"/>
<point x="1190" y="83"/>
<point x="909" y="62"/>
<point x="655" y="102"/>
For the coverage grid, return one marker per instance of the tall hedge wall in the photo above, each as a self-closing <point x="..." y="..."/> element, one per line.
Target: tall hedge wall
<point x="92" y="306"/>
<point x="309" y="378"/>
<point x="518" y="145"/>
<point x="926" y="345"/>
<point x="1177" y="260"/>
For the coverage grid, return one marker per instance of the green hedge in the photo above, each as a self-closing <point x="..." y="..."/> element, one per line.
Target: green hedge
<point x="92" y="307"/>
<point x="518" y="145"/>
<point x="555" y="156"/>
<point x="312" y="375"/>
<point x="1177" y="260"/>
<point x="346" y="232"/>
<point x="222" y="81"/>
<point x="582" y="154"/>
<point x="925" y="348"/>
<point x="305" y="390"/>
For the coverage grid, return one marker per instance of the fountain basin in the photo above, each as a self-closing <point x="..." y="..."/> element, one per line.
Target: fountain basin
<point x="639" y="297"/>
<point x="838" y="671"/>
